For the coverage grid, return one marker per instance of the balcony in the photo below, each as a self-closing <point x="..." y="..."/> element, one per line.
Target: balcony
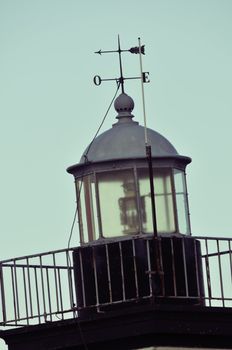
<point x="41" y="288"/>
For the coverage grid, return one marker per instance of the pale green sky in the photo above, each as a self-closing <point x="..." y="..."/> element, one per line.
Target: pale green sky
<point x="50" y="108"/>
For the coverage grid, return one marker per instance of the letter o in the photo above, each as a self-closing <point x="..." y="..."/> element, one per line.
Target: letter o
<point x="97" y="80"/>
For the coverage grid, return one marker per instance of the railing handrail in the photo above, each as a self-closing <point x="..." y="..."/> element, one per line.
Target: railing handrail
<point x="39" y="254"/>
<point x="35" y="255"/>
<point x="38" y="266"/>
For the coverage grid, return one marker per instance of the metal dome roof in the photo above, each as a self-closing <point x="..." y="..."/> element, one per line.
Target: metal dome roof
<point x="126" y="138"/>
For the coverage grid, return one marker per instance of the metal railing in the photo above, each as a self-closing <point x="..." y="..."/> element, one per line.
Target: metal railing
<point x="217" y="270"/>
<point x="42" y="288"/>
<point x="37" y="288"/>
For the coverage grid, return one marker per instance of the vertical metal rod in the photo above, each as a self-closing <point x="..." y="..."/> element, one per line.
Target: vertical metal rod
<point x="16" y="290"/>
<point x="230" y="255"/>
<point x="197" y="269"/>
<point x="173" y="269"/>
<point x="149" y="267"/>
<point x="29" y="287"/>
<point x="42" y="284"/>
<point x="95" y="279"/>
<point x="148" y="148"/>
<point x="56" y="282"/>
<point x="13" y="292"/>
<point x="185" y="268"/>
<point x="82" y="278"/>
<point x="25" y="294"/>
<point x="161" y="265"/>
<point x="69" y="272"/>
<point x="151" y="179"/>
<point x="37" y="294"/>
<point x="4" y="317"/>
<point x="143" y="96"/>
<point x="121" y="80"/>
<point x="138" y="201"/>
<point x="135" y="269"/>
<point x="122" y="272"/>
<point x="49" y="294"/>
<point x="220" y="273"/>
<point x="60" y="293"/>
<point x="208" y="272"/>
<point x="108" y="273"/>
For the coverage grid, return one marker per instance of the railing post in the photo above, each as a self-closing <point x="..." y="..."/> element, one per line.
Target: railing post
<point x="2" y="295"/>
<point x="70" y="282"/>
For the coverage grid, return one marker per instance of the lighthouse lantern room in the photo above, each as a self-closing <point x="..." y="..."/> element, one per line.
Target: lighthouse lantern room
<point x="112" y="182"/>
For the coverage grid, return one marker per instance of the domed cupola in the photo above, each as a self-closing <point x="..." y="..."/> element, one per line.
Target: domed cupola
<point x="112" y="182"/>
<point x="125" y="140"/>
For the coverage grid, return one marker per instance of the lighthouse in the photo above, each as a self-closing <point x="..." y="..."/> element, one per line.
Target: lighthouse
<point x="124" y="259"/>
<point x="137" y="277"/>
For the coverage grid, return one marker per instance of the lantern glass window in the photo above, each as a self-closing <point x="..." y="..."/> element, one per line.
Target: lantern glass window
<point x="118" y="203"/>
<point x="114" y="203"/>
<point x="181" y="201"/>
<point x="164" y="201"/>
<point x="87" y="210"/>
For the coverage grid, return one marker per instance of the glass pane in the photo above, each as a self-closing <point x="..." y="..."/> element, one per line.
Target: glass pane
<point x="87" y="213"/>
<point x="145" y="198"/>
<point x="81" y="212"/>
<point x="163" y="200"/>
<point x="94" y="209"/>
<point x="179" y="181"/>
<point x="118" y="205"/>
<point x="89" y="208"/>
<point x="165" y="213"/>
<point x="181" y="213"/>
<point x="181" y="202"/>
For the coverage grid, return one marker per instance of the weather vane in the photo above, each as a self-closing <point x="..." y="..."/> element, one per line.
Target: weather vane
<point x="137" y="50"/>
<point x="144" y="78"/>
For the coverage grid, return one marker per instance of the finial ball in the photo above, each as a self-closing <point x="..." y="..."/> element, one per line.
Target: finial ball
<point x="124" y="103"/>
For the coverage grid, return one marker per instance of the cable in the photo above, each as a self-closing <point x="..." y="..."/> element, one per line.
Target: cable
<point x="72" y="227"/>
<point x="86" y="161"/>
<point x="99" y="128"/>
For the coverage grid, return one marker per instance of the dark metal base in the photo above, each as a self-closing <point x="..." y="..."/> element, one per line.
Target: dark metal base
<point x="111" y="275"/>
<point x="134" y="328"/>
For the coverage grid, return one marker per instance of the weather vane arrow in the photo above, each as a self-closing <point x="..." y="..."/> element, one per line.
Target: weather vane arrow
<point x="136" y="50"/>
<point x="132" y="50"/>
